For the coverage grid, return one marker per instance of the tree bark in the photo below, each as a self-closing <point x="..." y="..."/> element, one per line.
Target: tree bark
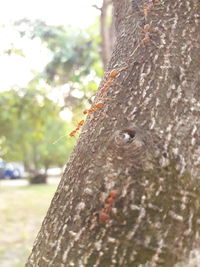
<point x="107" y="33"/>
<point x="130" y="192"/>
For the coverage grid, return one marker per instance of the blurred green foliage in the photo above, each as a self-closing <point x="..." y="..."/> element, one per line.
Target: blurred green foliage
<point x="74" y="52"/>
<point x="30" y="122"/>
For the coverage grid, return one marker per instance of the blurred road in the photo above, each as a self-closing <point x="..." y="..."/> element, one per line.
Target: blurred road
<point x="24" y="182"/>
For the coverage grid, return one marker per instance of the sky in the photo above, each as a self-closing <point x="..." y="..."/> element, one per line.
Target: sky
<point x="17" y="70"/>
<point x="75" y="12"/>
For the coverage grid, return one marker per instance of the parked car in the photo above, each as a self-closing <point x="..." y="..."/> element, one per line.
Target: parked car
<point x="9" y="171"/>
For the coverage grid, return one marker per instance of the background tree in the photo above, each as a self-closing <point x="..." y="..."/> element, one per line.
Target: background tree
<point x="27" y="124"/>
<point x="107" y="30"/>
<point x="74" y="62"/>
<point x="28" y="134"/>
<point x="140" y="175"/>
<point x="73" y="52"/>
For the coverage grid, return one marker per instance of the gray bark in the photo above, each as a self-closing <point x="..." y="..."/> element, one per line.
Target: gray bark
<point x="143" y="146"/>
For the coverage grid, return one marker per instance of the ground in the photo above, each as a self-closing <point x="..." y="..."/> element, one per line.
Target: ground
<point x="22" y="209"/>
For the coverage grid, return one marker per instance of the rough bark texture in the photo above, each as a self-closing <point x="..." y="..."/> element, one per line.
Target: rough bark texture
<point x="143" y="146"/>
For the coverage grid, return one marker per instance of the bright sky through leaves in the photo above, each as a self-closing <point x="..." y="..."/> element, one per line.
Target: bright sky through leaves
<point x="16" y="70"/>
<point x="77" y="12"/>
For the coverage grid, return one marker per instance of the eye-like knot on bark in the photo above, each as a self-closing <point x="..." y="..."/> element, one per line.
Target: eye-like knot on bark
<point x="128" y="148"/>
<point x="125" y="137"/>
<point x="129" y="137"/>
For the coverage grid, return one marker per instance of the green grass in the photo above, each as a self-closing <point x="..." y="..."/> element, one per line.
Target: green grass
<point x="22" y="210"/>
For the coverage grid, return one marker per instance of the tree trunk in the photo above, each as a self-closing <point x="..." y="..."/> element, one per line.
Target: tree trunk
<point x="130" y="192"/>
<point x="38" y="178"/>
<point x="107" y="33"/>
